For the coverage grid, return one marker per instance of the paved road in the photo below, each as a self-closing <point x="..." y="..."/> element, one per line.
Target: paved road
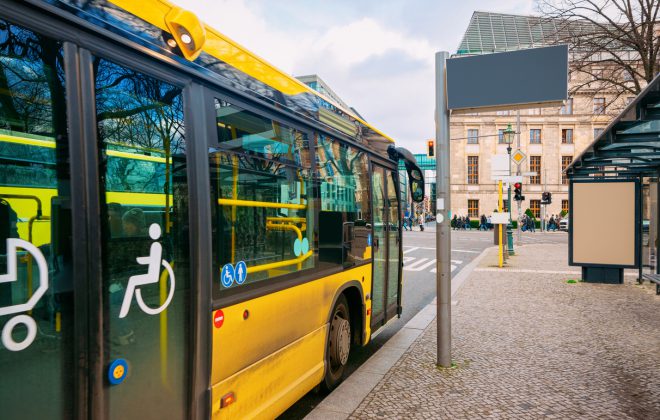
<point x="419" y="275"/>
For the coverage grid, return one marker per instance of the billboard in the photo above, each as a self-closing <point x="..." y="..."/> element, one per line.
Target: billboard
<point x="536" y="77"/>
<point x="604" y="223"/>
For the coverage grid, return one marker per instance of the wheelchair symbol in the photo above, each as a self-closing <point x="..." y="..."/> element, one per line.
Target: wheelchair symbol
<point x="153" y="261"/>
<point x="12" y="275"/>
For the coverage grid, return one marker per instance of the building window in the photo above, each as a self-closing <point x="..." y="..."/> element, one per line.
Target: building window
<point x="473" y="136"/>
<point x="599" y="105"/>
<point x="503" y="113"/>
<point x="627" y="75"/>
<point x="535" y="136"/>
<point x="567" y="136"/>
<point x="598" y="132"/>
<point x="629" y="99"/>
<point x="500" y="136"/>
<point x="564" y="206"/>
<point x="535" y="207"/>
<point x="505" y="205"/>
<point x="534" y="111"/>
<point x="473" y="208"/>
<point x="567" y="108"/>
<point x="535" y="166"/>
<point x="473" y="170"/>
<point x="565" y="161"/>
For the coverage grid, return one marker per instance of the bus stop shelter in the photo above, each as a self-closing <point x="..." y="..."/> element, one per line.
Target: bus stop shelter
<point x="614" y="193"/>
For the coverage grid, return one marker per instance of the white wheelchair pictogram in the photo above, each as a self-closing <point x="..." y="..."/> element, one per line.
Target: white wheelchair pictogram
<point x="153" y="262"/>
<point x="12" y="275"/>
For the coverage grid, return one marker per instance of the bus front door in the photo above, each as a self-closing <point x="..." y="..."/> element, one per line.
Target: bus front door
<point x="386" y="245"/>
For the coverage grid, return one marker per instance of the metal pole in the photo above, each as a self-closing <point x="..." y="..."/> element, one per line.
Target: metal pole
<point x="443" y="233"/>
<point x="509" y="226"/>
<point x="518" y="170"/>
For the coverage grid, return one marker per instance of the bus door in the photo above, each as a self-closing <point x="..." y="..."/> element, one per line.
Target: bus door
<point x="145" y="244"/>
<point x="386" y="246"/>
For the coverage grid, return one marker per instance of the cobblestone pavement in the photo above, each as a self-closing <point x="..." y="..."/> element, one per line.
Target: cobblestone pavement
<point x="530" y="345"/>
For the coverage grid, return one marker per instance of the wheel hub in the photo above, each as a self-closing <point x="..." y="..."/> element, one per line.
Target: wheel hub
<point x="340" y="344"/>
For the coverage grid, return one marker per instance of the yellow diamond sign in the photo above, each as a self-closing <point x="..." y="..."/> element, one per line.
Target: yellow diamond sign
<point x="518" y="157"/>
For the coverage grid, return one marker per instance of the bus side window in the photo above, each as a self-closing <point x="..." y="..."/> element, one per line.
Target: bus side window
<point x="345" y="214"/>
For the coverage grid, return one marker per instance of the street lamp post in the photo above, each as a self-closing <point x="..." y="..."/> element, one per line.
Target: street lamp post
<point x="508" y="139"/>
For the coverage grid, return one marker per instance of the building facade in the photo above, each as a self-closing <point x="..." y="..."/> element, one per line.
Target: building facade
<point x="549" y="137"/>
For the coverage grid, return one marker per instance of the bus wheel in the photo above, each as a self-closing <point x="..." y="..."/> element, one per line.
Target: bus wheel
<point x="339" y="344"/>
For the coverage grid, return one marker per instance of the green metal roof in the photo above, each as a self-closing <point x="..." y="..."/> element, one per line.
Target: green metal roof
<point x="496" y="32"/>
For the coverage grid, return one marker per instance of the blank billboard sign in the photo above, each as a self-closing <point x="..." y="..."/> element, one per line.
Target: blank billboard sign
<point x="536" y="76"/>
<point x="604" y="224"/>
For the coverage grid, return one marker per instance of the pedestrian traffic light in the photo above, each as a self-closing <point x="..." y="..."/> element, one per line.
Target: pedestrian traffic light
<point x="517" y="191"/>
<point x="546" y="198"/>
<point x="430" y="148"/>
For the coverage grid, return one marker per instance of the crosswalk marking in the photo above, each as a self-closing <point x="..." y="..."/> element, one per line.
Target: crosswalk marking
<point x="410" y="250"/>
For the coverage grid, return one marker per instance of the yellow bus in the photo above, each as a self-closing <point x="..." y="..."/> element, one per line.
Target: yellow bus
<point x="185" y="230"/>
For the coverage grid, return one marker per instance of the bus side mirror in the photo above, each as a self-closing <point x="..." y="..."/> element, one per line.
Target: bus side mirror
<point x="416" y="184"/>
<point x="417" y="190"/>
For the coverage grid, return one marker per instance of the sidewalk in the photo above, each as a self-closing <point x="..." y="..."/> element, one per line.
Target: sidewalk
<point x="526" y="344"/>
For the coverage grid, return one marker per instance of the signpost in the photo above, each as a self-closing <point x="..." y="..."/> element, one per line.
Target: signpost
<point x="532" y="78"/>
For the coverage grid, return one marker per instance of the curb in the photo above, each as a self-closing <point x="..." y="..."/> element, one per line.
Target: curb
<point x="346" y="398"/>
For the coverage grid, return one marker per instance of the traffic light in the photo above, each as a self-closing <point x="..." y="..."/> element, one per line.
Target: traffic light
<point x="430" y="148"/>
<point x="546" y="198"/>
<point x="517" y="191"/>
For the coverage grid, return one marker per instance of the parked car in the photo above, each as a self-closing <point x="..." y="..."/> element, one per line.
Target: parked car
<point x="563" y="224"/>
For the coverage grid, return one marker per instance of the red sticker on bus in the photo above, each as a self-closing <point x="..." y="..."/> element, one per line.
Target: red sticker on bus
<point x="218" y="318"/>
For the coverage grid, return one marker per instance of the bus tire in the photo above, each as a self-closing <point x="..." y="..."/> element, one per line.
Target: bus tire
<point x="339" y="344"/>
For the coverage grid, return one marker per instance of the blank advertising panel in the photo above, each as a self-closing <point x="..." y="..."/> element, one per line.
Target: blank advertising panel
<point x="504" y="80"/>
<point x="604" y="225"/>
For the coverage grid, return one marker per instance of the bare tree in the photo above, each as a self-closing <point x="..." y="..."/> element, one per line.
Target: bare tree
<point x="614" y="43"/>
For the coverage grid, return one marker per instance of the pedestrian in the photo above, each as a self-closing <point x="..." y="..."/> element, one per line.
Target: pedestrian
<point x="467" y="223"/>
<point x="482" y="224"/>
<point x="489" y="222"/>
<point x="421" y="222"/>
<point x="454" y="222"/>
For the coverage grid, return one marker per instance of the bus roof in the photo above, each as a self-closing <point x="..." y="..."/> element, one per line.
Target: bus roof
<point x="225" y="57"/>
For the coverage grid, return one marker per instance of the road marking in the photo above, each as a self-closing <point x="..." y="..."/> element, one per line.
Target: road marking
<point x="406" y="259"/>
<point x="419" y="265"/>
<point x="414" y="248"/>
<point x="410" y="250"/>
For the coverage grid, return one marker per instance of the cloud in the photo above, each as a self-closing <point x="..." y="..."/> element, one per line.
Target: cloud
<point x="379" y="57"/>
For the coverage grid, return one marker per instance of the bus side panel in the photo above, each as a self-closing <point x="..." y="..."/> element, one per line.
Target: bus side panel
<point x="283" y="337"/>
<point x="270" y="386"/>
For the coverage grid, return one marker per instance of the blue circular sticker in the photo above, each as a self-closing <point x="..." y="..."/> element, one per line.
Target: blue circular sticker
<point x="117" y="371"/>
<point x="227" y="275"/>
<point x="305" y="246"/>
<point x="241" y="272"/>
<point x="297" y="247"/>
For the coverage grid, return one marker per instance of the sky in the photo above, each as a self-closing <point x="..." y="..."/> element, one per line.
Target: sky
<point x="377" y="55"/>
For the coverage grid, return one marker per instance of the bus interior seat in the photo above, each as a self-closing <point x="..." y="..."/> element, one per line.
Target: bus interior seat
<point x="331" y="246"/>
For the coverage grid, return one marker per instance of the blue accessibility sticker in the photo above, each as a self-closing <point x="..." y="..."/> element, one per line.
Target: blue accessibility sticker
<point x="241" y="272"/>
<point x="227" y="275"/>
<point x="369" y="239"/>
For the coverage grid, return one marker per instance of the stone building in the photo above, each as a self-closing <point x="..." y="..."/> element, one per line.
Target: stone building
<point x="549" y="137"/>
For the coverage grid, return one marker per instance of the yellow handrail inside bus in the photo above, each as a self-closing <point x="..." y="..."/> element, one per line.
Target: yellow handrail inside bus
<point x="285" y="226"/>
<point x="264" y="267"/>
<point x="268" y="204"/>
